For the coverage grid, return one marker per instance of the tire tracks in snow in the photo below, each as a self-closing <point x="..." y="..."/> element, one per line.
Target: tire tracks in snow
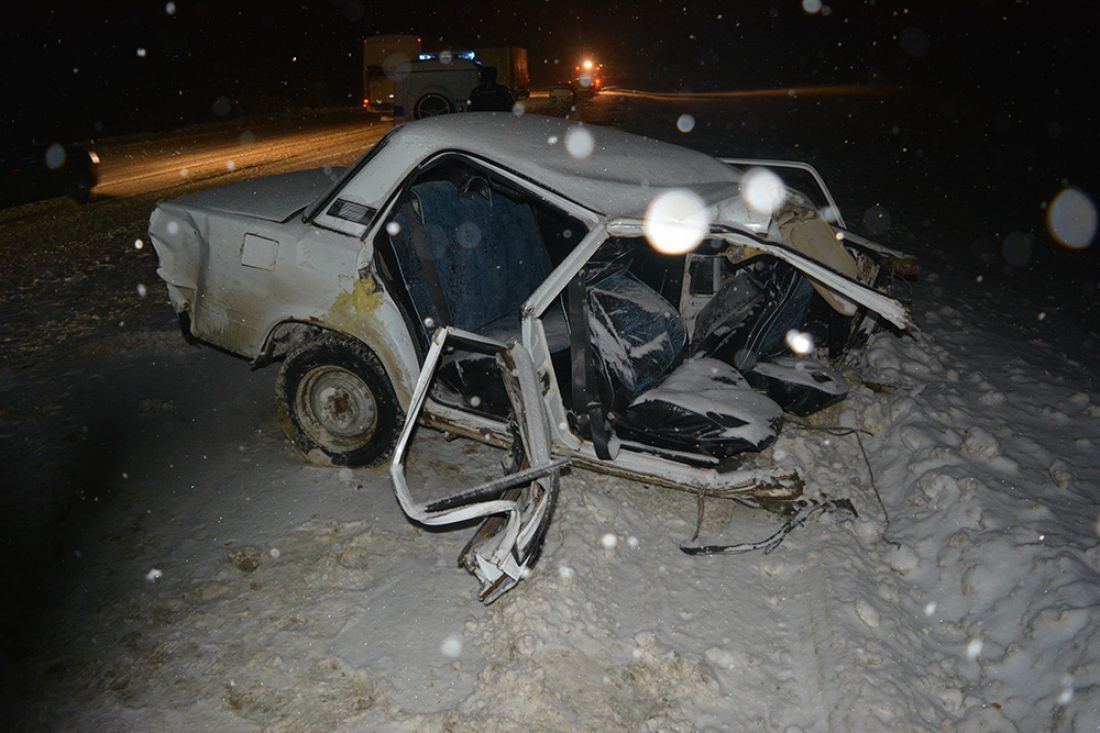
<point x="806" y="645"/>
<point x="140" y="176"/>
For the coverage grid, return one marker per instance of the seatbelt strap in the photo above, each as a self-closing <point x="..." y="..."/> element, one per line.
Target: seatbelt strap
<point x="586" y="399"/>
<point x="428" y="265"/>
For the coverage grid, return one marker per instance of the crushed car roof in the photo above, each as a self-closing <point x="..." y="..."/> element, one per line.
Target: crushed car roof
<point x="605" y="170"/>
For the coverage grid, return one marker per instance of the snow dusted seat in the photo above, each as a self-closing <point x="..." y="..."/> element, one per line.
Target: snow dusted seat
<point x="705" y="406"/>
<point x="699" y="406"/>
<point x="747" y="322"/>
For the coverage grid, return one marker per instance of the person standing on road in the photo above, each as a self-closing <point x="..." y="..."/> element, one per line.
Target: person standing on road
<point x="488" y="96"/>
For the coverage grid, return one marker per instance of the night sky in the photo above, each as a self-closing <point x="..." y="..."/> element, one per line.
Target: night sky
<point x="86" y="70"/>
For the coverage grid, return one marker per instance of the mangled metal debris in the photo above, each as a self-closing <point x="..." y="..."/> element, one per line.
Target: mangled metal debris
<point x="516" y="509"/>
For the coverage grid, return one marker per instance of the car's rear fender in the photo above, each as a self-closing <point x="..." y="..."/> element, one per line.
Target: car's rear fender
<point x="364" y="312"/>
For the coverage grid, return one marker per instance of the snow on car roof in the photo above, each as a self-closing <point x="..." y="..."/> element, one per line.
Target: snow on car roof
<point x="603" y="169"/>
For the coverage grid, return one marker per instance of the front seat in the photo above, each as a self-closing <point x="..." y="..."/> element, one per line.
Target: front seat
<point x="653" y="396"/>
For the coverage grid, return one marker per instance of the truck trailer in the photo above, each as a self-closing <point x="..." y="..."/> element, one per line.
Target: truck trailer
<point x="511" y="65"/>
<point x="386" y="59"/>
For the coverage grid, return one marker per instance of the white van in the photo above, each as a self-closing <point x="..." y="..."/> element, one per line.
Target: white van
<point x="435" y="87"/>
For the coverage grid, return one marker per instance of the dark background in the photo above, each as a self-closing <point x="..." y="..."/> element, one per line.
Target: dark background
<point x="76" y="69"/>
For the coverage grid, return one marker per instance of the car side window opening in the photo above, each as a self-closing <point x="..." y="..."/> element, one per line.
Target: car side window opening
<point x="470" y="249"/>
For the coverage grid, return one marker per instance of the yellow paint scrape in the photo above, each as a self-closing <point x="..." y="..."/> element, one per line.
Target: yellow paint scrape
<point x="352" y="306"/>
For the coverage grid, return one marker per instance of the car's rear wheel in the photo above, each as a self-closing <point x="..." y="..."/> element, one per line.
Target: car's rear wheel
<point x="432" y="105"/>
<point x="336" y="403"/>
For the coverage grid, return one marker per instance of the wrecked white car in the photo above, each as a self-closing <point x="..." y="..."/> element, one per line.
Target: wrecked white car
<point x="503" y="278"/>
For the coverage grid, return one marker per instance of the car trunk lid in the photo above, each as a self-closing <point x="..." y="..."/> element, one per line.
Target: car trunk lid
<point x="274" y="198"/>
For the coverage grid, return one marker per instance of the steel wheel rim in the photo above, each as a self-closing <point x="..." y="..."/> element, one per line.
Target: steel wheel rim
<point x="336" y="408"/>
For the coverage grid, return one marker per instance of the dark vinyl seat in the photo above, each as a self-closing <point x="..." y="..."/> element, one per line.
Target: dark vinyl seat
<point x="746" y="323"/>
<point x="470" y="259"/>
<point x="697" y="405"/>
<point x="482" y="250"/>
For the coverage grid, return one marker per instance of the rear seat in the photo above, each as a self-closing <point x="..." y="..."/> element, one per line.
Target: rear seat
<point x="486" y="251"/>
<point x="486" y="257"/>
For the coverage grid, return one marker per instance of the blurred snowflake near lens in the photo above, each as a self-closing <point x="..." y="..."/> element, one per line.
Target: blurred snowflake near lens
<point x="799" y="342"/>
<point x="451" y="646"/>
<point x="676" y="221"/>
<point x="579" y="142"/>
<point x="1072" y="218"/>
<point x="763" y="190"/>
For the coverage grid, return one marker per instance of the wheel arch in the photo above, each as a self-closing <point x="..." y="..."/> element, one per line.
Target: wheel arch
<point x="290" y="333"/>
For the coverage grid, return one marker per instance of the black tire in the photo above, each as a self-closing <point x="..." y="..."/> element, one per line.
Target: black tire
<point x="79" y="189"/>
<point x="336" y="403"/>
<point x="432" y="105"/>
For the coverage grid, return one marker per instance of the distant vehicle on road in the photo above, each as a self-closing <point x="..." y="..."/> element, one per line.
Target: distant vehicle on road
<point x="385" y="59"/>
<point x="589" y="77"/>
<point x="562" y="94"/>
<point x="45" y="171"/>
<point x="440" y="82"/>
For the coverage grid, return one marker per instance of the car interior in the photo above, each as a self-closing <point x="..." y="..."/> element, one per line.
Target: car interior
<point x="470" y="248"/>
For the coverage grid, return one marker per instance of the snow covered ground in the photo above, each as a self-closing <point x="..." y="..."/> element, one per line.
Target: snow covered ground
<point x="177" y="567"/>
